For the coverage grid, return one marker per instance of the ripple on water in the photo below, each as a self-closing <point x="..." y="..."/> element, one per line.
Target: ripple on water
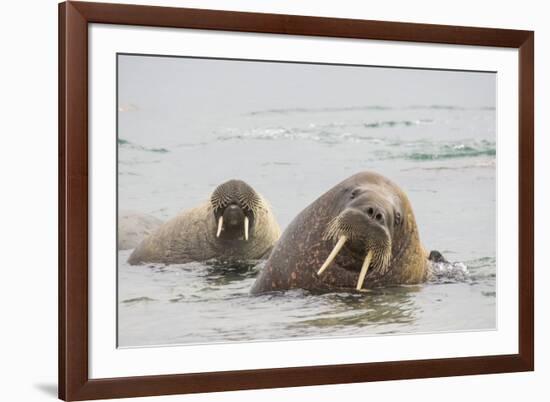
<point x="135" y="300"/>
<point x="210" y="302"/>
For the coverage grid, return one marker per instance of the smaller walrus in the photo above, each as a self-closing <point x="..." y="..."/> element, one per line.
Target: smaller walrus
<point x="236" y="223"/>
<point x="360" y="234"/>
<point x="133" y="227"/>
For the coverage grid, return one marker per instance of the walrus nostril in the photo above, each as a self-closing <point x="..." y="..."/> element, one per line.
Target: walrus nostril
<point x="375" y="213"/>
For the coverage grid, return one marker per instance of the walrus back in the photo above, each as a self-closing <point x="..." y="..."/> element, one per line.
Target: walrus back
<point x="133" y="227"/>
<point x="176" y="241"/>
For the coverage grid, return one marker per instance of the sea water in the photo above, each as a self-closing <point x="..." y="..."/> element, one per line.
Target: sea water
<point x="442" y="155"/>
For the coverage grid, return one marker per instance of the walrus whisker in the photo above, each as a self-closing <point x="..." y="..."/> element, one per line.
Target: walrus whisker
<point x="220" y="225"/>
<point x="333" y="254"/>
<point x="246" y="227"/>
<point x="364" y="270"/>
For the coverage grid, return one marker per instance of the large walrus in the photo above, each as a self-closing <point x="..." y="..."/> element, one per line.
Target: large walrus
<point x="236" y="223"/>
<point x="360" y="234"/>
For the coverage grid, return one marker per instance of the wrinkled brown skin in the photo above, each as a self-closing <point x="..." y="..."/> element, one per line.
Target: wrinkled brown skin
<point x="191" y="236"/>
<point x="301" y="250"/>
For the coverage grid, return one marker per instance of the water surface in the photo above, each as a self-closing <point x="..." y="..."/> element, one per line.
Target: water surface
<point x="172" y="153"/>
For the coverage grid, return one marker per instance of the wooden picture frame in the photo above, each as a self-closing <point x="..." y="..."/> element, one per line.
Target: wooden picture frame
<point x="74" y="381"/>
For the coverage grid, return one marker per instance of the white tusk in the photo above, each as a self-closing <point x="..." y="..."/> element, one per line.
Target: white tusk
<point x="220" y="225"/>
<point x="333" y="254"/>
<point x="246" y="227"/>
<point x="364" y="270"/>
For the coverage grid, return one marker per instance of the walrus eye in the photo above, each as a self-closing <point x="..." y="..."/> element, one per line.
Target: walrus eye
<point x="397" y="218"/>
<point x="353" y="194"/>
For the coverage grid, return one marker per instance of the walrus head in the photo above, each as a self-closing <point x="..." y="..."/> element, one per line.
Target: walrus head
<point x="364" y="227"/>
<point x="235" y="206"/>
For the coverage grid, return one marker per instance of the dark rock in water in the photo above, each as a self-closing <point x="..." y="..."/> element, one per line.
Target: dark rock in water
<point x="135" y="300"/>
<point x="436" y="256"/>
<point x="133" y="227"/>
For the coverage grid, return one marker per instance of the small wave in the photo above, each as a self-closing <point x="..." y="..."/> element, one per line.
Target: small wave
<point x="439" y="107"/>
<point x="482" y="268"/>
<point x="455" y="150"/>
<point x="471" y="271"/>
<point x="278" y="163"/>
<point x="327" y="133"/>
<point x="318" y="110"/>
<point x="129" y="145"/>
<point x="191" y="144"/>
<point x="382" y="147"/>
<point x="449" y="272"/>
<point x="395" y="123"/>
<point x="136" y="300"/>
<point x="285" y="111"/>
<point x="128" y="174"/>
<point x="491" y="163"/>
<point x="129" y="107"/>
<point x="273" y="134"/>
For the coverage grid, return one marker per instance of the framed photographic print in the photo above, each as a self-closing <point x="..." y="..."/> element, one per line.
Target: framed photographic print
<point x="258" y="200"/>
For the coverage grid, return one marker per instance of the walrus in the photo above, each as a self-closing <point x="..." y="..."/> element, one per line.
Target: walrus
<point x="360" y="234"/>
<point x="133" y="227"/>
<point x="236" y="223"/>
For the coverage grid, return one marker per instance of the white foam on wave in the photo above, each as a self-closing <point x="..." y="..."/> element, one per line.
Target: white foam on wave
<point x="449" y="271"/>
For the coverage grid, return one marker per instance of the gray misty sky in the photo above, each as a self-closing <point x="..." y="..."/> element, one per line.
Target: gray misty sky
<point x="189" y="87"/>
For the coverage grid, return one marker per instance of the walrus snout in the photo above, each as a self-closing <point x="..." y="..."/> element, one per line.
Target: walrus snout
<point x="233" y="215"/>
<point x="234" y="222"/>
<point x="358" y="225"/>
<point x="364" y="232"/>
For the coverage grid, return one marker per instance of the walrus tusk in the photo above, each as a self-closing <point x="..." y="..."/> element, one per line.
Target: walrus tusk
<point x="220" y="225"/>
<point x="246" y="227"/>
<point x="333" y="254"/>
<point x="364" y="270"/>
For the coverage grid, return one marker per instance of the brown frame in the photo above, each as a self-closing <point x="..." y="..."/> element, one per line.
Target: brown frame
<point x="74" y="17"/>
